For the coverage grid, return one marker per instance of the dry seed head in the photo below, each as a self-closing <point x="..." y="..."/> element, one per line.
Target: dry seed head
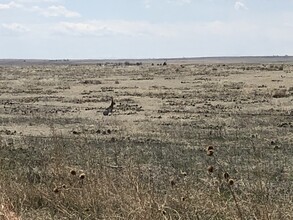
<point x="231" y="182"/>
<point x="172" y="182"/>
<point x="210" y="152"/>
<point x="73" y="172"/>
<point x="82" y="176"/>
<point x="226" y="175"/>
<point x="276" y="147"/>
<point x="210" y="148"/>
<point x="254" y="136"/>
<point x="210" y="169"/>
<point x="56" y="190"/>
<point x="183" y="173"/>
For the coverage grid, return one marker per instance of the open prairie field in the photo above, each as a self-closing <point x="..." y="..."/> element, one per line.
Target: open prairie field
<point x="186" y="140"/>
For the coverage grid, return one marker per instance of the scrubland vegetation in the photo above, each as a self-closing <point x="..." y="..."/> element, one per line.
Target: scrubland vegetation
<point x="185" y="141"/>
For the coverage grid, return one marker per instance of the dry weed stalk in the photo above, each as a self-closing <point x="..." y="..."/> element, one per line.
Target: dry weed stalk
<point x="229" y="181"/>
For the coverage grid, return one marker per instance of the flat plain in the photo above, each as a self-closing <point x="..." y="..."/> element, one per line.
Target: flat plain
<point x="203" y="139"/>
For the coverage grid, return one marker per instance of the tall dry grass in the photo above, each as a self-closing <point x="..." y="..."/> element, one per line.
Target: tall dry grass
<point x="144" y="178"/>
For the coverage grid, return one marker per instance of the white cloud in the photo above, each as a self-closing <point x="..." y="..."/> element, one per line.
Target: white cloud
<point x="78" y="29"/>
<point x="56" y="11"/>
<point x="115" y="27"/>
<point x="142" y="29"/>
<point x="92" y="28"/>
<point x="147" y="3"/>
<point x="240" y="6"/>
<point x="150" y="3"/>
<point x="10" y="5"/>
<point x="160" y="31"/>
<point x="37" y="1"/>
<point x="15" y="27"/>
<point x="179" y="1"/>
<point x="51" y="11"/>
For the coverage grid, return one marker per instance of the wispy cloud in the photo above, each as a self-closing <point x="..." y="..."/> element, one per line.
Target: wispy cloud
<point x="10" y="5"/>
<point x="15" y="27"/>
<point x="50" y="11"/>
<point x="37" y="1"/>
<point x="147" y="3"/>
<point x="240" y="6"/>
<point x="56" y="11"/>
<point x="143" y="29"/>
<point x="150" y="3"/>
<point x="179" y="1"/>
<point x="114" y="27"/>
<point x="79" y="29"/>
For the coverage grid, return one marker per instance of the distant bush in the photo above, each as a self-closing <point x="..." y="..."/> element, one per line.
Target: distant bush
<point x="280" y="93"/>
<point x="92" y="81"/>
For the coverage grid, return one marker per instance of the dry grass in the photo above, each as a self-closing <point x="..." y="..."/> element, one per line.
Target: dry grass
<point x="280" y="93"/>
<point x="199" y="142"/>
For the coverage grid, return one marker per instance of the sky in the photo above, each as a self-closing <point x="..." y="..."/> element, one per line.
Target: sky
<point x="118" y="29"/>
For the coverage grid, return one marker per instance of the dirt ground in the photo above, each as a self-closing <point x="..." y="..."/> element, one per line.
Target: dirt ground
<point x="71" y="98"/>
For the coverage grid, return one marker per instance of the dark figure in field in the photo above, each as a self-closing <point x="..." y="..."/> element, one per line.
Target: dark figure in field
<point x="108" y="111"/>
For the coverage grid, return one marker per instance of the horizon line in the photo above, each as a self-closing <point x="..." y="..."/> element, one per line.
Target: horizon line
<point x="154" y="58"/>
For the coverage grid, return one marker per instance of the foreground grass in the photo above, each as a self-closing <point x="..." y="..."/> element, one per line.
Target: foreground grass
<point x="131" y="177"/>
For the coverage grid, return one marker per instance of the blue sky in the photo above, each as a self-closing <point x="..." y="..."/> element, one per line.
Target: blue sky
<point x="77" y="29"/>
